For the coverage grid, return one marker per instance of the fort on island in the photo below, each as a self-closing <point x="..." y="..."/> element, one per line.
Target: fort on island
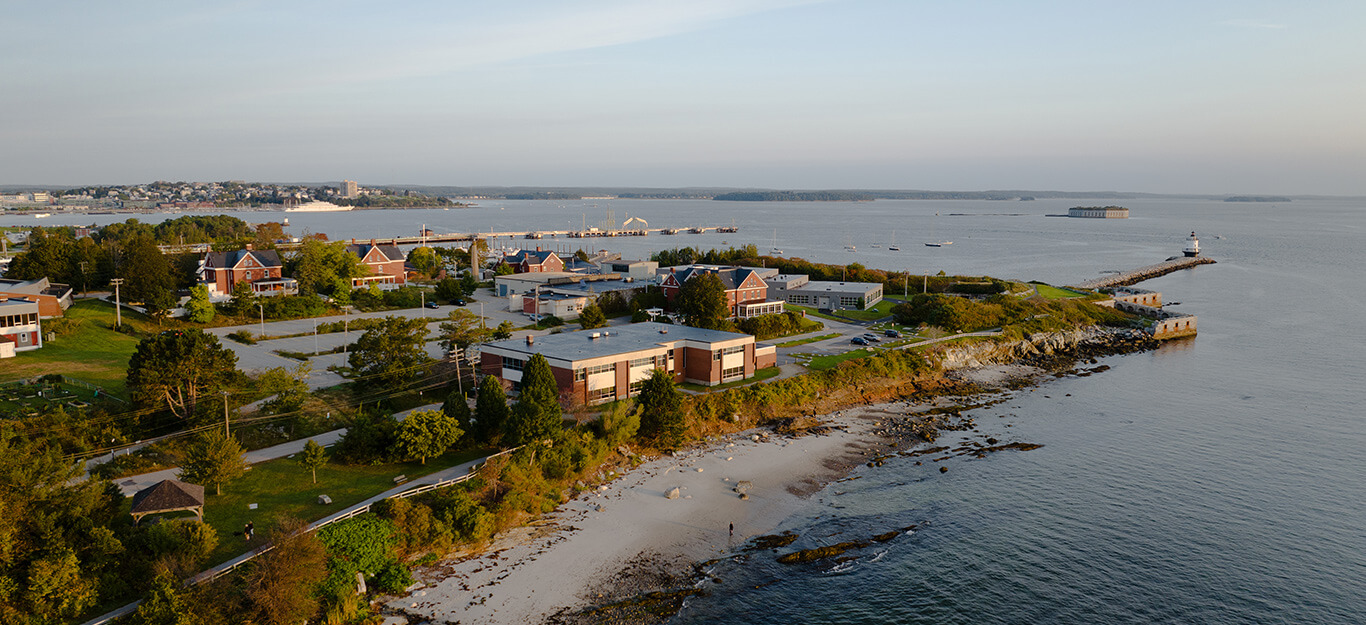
<point x="1099" y="212"/>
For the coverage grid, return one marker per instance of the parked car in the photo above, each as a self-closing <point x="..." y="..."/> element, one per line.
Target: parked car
<point x="871" y="338"/>
<point x="459" y="302"/>
<point x="433" y="305"/>
<point x="858" y="340"/>
<point x="893" y="333"/>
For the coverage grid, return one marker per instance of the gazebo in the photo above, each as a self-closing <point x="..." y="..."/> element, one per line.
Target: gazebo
<point x="168" y="496"/>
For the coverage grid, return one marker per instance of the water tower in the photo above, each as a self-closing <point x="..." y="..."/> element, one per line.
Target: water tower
<point x="1192" y="246"/>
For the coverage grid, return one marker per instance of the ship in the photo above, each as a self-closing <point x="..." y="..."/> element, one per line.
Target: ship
<point x="317" y="207"/>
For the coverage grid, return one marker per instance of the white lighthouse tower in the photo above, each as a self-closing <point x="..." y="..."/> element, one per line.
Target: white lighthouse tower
<point x="1192" y="246"/>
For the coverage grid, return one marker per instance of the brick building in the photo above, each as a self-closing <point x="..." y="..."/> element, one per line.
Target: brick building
<point x="596" y="366"/>
<point x="385" y="261"/>
<point x="220" y="271"/>
<point x="529" y="261"/>
<point x="746" y="291"/>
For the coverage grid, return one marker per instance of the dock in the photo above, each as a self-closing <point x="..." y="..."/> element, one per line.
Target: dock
<point x="1149" y="272"/>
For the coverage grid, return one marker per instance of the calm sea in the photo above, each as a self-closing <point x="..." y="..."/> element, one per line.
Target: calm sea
<point x="1217" y="480"/>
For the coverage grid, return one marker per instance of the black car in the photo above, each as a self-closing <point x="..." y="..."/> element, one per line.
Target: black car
<point x="858" y="340"/>
<point x="459" y="302"/>
<point x="433" y="305"/>
<point x="893" y="333"/>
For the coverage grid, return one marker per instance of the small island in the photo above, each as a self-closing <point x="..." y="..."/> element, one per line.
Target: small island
<point x="795" y="196"/>
<point x="1099" y="212"/>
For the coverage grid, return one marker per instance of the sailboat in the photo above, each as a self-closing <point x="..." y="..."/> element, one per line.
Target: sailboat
<point x="775" y="251"/>
<point x="936" y="243"/>
<point x="849" y="245"/>
<point x="893" y="247"/>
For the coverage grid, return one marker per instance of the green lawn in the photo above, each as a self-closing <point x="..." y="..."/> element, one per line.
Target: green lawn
<point x="1051" y="292"/>
<point x="809" y="340"/>
<point x="821" y="363"/>
<point x="282" y="488"/>
<point x="878" y="311"/>
<point x="759" y="376"/>
<point x="86" y="349"/>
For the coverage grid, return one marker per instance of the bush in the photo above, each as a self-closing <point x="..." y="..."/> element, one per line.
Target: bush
<point x="365" y="544"/>
<point x="370" y="439"/>
<point x="243" y="336"/>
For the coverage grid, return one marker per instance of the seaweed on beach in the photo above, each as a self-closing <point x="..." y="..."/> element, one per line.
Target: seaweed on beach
<point x="772" y="541"/>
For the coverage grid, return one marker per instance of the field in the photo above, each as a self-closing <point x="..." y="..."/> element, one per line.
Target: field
<point x="86" y="347"/>
<point x="1051" y="292"/>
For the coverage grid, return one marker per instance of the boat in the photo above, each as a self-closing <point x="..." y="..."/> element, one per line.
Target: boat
<point x="892" y="247"/>
<point x="317" y="207"/>
<point x="936" y="243"/>
<point x="775" y="251"/>
<point x="42" y="215"/>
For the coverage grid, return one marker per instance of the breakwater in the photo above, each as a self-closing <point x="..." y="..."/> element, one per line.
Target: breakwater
<point x="1148" y="272"/>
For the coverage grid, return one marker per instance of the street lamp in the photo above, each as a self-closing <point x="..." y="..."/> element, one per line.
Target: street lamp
<point x="118" y="308"/>
<point x="263" y="319"/>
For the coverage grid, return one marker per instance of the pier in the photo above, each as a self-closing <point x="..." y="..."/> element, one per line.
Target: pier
<point x="1149" y="272"/>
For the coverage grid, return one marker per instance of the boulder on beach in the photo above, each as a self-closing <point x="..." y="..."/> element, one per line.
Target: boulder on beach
<point x="743" y="486"/>
<point x="673" y="493"/>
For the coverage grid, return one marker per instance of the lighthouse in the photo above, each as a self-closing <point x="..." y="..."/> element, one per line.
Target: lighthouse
<point x="1192" y="246"/>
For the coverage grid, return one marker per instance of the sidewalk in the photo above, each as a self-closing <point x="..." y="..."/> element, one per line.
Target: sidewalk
<point x="132" y="484"/>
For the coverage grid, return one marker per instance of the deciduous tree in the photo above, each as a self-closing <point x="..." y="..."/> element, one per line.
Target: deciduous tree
<point x="391" y="354"/>
<point x="146" y="271"/>
<point x="283" y="581"/>
<point x="214" y="459"/>
<point x="702" y="302"/>
<point x="462" y="329"/>
<point x="427" y="433"/>
<point x="312" y="458"/>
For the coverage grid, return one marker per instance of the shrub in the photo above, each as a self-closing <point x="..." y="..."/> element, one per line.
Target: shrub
<point x="243" y="336"/>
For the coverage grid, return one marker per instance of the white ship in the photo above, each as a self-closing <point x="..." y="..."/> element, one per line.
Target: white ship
<point x="317" y="207"/>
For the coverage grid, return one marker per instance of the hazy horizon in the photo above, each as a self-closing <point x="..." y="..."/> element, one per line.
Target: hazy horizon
<point x="1215" y="99"/>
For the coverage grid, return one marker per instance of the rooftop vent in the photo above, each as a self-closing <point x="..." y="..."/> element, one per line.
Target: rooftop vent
<point x="530" y="339"/>
<point x="663" y="330"/>
<point x="595" y="335"/>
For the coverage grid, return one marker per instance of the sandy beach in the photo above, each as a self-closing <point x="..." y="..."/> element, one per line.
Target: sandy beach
<point x="572" y="555"/>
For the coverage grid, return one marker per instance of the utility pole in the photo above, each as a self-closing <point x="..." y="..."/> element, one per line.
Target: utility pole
<point x="263" y="319"/>
<point x="926" y="287"/>
<point x="84" y="291"/>
<point x="424" y="303"/>
<point x="118" y="310"/>
<point x="226" y="433"/>
<point x="315" y="337"/>
<point x="346" y="328"/>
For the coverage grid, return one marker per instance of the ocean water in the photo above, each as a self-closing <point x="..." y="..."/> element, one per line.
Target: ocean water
<point x="1216" y="480"/>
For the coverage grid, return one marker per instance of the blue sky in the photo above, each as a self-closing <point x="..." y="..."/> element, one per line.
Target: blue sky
<point x="1204" y="97"/>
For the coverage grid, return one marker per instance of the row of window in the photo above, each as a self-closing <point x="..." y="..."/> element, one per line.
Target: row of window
<point x="738" y="349"/>
<point x="732" y="373"/>
<point x="582" y="374"/>
<point x="606" y="393"/>
<point x="799" y="299"/>
<point x="660" y="361"/>
<point x="18" y="320"/>
<point x="849" y="301"/>
<point x="513" y="364"/>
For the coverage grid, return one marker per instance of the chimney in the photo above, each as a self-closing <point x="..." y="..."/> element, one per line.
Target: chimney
<point x="538" y="248"/>
<point x="530" y="339"/>
<point x="248" y="247"/>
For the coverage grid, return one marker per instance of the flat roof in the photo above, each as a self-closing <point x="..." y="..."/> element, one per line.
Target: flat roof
<point x="838" y="287"/>
<point x="575" y="346"/>
<point x="536" y="276"/>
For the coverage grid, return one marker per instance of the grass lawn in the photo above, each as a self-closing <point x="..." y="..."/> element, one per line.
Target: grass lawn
<point x="821" y="363"/>
<point x="87" y="350"/>
<point x="759" y="376"/>
<point x="809" y="340"/>
<point x="878" y="311"/>
<point x="1051" y="292"/>
<point x="282" y="488"/>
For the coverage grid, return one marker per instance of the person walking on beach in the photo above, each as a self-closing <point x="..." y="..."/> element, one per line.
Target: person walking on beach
<point x="732" y="529"/>
<point x="246" y="531"/>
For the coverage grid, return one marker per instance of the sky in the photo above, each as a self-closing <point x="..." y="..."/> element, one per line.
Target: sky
<point x="1167" y="97"/>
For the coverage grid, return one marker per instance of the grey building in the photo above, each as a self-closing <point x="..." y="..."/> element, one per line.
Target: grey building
<point x="802" y="291"/>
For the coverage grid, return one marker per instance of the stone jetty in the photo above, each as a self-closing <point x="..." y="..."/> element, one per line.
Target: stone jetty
<point x="1149" y="272"/>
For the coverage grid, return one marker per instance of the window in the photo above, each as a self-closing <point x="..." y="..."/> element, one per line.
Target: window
<point x="648" y="361"/>
<point x="732" y="373"/>
<point x="513" y="364"/>
<point x="603" y="394"/>
<point x="582" y="374"/>
<point x="799" y="299"/>
<point x="637" y="385"/>
<point x="848" y="301"/>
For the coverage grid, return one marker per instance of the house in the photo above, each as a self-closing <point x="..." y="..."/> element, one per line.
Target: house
<point x="542" y="304"/>
<point x="261" y="269"/>
<point x="528" y="261"/>
<point x="798" y="289"/>
<point x="518" y="283"/>
<point x="385" y="261"/>
<point x="636" y="269"/>
<point x="596" y="366"/>
<point x="21" y="328"/>
<point x="53" y="298"/>
<point x="746" y="291"/>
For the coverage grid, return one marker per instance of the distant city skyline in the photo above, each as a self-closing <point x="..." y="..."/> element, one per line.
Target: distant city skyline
<point x="1214" y="97"/>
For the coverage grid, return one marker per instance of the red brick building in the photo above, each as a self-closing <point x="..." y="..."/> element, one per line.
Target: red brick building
<point x="596" y="366"/>
<point x="746" y="292"/>
<point x="384" y="260"/>
<point x="20" y="326"/>
<point x="528" y="261"/>
<point x="259" y="268"/>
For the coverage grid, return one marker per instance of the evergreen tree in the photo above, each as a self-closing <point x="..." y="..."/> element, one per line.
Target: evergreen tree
<point x="702" y="302"/>
<point x="490" y="410"/>
<point x="662" y="419"/>
<point x="200" y="308"/>
<point x="174" y="370"/>
<point x="457" y="408"/>
<point x="538" y="413"/>
<point x="146" y="272"/>
<point x="591" y="317"/>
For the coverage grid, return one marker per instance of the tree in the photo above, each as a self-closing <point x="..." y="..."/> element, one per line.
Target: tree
<point x="199" y="307"/>
<point x="282" y="581"/>
<point x="620" y="422"/>
<point x="490" y="410"/>
<point x="56" y="586"/>
<point x="702" y="302"/>
<point x="427" y="433"/>
<point x="146" y="272"/>
<point x="322" y="267"/>
<point x="449" y="289"/>
<point x="159" y="305"/>
<point x="392" y="353"/>
<point x="591" y="317"/>
<point x="313" y="457"/>
<point x="164" y="604"/>
<point x="538" y="413"/>
<point x="174" y="369"/>
<point x="662" y="419"/>
<point x="462" y="329"/>
<point x="503" y="332"/>
<point x="425" y="260"/>
<point x="290" y="388"/>
<point x="456" y="407"/>
<point x="243" y="302"/>
<point x="503" y="269"/>
<point x="214" y="459"/>
<point x="48" y="254"/>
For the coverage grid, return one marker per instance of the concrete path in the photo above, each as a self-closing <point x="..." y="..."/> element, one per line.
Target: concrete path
<point x="132" y="484"/>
